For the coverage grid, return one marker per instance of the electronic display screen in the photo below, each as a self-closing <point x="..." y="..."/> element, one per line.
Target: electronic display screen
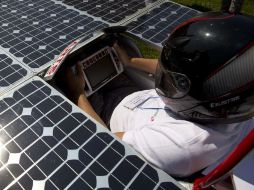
<point x="100" y="71"/>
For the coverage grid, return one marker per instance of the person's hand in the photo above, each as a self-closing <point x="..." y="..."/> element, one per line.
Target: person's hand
<point x="74" y="82"/>
<point x="123" y="56"/>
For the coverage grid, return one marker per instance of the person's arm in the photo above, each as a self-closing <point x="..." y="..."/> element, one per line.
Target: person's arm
<point x="147" y="65"/>
<point x="119" y="135"/>
<point x="85" y="105"/>
<point x="75" y="84"/>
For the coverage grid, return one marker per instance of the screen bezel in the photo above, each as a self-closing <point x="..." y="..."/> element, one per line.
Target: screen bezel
<point x="106" y="79"/>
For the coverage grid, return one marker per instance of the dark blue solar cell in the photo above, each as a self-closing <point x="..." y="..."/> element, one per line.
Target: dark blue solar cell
<point x="13" y="147"/>
<point x="3" y="106"/>
<point x="26" y="182"/>
<point x="109" y="159"/>
<point x="4" y="156"/>
<point x="25" y="103"/>
<point x="118" y="147"/>
<point x="15" y="127"/>
<point x="140" y="29"/>
<point x="81" y="135"/>
<point x="36" y="97"/>
<point x="168" y="185"/>
<point x="16" y="186"/>
<point x="84" y="157"/>
<point x="28" y="119"/>
<point x="89" y="178"/>
<point x="115" y="184"/>
<point x="94" y="146"/>
<point x="6" y="178"/>
<point x="61" y="151"/>
<point x="26" y="138"/>
<point x="57" y="114"/>
<point x="63" y="176"/>
<point x="6" y="117"/>
<point x="49" y="163"/>
<point x="46" y="105"/>
<point x="14" y="42"/>
<point x="14" y="77"/>
<point x="67" y="107"/>
<point x="57" y="99"/>
<point x="37" y="128"/>
<point x="46" y="90"/>
<point x="98" y="169"/>
<point x="126" y="177"/>
<point x="80" y="184"/>
<point x="149" y="33"/>
<point x="27" y="89"/>
<point x="69" y="144"/>
<point x="151" y="173"/>
<point x="68" y="125"/>
<point x="3" y="83"/>
<point x="36" y="114"/>
<point x="159" y="37"/>
<point x="90" y="125"/>
<point x="142" y="182"/>
<point x="15" y="170"/>
<point x="9" y="101"/>
<point x="50" y="185"/>
<point x="50" y="141"/>
<point x="6" y="71"/>
<point x="58" y="134"/>
<point x="105" y="137"/>
<point x="36" y="174"/>
<point x="37" y="150"/>
<point x="76" y="165"/>
<point x="4" y="137"/>
<point x="136" y="161"/>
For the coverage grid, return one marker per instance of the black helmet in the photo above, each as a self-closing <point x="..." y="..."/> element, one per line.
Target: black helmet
<point x="206" y="69"/>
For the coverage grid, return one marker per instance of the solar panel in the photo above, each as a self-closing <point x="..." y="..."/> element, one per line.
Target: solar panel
<point x="47" y="143"/>
<point x="35" y="32"/>
<point x="156" y="24"/>
<point x="112" y="11"/>
<point x="11" y="72"/>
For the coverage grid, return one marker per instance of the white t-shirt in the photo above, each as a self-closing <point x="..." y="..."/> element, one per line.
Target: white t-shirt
<point x="177" y="146"/>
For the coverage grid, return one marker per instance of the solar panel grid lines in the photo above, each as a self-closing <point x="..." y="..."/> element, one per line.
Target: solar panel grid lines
<point x="11" y="72"/>
<point x="47" y="143"/>
<point x="36" y="32"/>
<point x="111" y="11"/>
<point x="38" y="139"/>
<point x="82" y="12"/>
<point x="156" y="24"/>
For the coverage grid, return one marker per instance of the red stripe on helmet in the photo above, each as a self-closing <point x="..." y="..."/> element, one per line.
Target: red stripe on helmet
<point x="196" y="19"/>
<point x="241" y="52"/>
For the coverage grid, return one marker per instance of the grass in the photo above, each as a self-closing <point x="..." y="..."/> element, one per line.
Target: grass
<point x="147" y="50"/>
<point x="214" y="5"/>
<point x="201" y="5"/>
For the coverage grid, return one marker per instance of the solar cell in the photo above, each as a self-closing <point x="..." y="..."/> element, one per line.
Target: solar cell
<point x="156" y="24"/>
<point x="11" y="72"/>
<point x="112" y="11"/>
<point x="47" y="143"/>
<point x="36" y="32"/>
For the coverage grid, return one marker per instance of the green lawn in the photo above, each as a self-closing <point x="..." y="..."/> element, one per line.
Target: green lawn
<point x="201" y="5"/>
<point x="214" y="5"/>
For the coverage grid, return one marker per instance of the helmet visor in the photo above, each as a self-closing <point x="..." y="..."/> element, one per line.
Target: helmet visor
<point x="171" y="84"/>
